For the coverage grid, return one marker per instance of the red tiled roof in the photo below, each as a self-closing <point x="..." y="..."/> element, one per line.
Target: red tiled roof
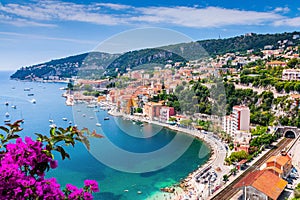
<point x="264" y="181"/>
<point x="280" y="159"/>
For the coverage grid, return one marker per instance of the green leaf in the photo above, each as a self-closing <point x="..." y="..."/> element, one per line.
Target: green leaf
<point x="52" y="131"/>
<point x="4" y="129"/>
<point x="62" y="152"/>
<point x="9" y="137"/>
<point x="62" y="131"/>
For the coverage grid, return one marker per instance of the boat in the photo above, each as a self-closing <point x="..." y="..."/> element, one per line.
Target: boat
<point x="26" y="89"/>
<point x="6" y="103"/>
<point x="7" y="120"/>
<point x="33" y="101"/>
<point x="6" y="114"/>
<point x="52" y="125"/>
<point x="51" y="121"/>
<point x="106" y="118"/>
<point x="91" y="106"/>
<point x="14" y="106"/>
<point x="91" y="117"/>
<point x="64" y="119"/>
<point x="31" y="94"/>
<point x="98" y="124"/>
<point x="70" y="122"/>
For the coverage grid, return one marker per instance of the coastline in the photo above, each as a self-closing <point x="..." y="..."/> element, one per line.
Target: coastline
<point x="188" y="187"/>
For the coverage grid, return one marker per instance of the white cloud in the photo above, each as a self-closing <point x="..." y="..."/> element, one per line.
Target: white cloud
<point x="49" y="12"/>
<point x="293" y="22"/>
<point x="22" y="22"/>
<point x="203" y="17"/>
<point x="61" y="11"/>
<point x="282" y="9"/>
<point x="114" y="6"/>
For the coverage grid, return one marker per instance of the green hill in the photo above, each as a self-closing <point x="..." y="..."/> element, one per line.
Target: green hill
<point x="98" y="64"/>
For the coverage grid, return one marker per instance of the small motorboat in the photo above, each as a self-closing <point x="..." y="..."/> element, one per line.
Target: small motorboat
<point x="33" y="101"/>
<point x="7" y="114"/>
<point x="6" y="120"/>
<point x="106" y="118"/>
<point x="64" y="119"/>
<point x="98" y="124"/>
<point x="52" y="125"/>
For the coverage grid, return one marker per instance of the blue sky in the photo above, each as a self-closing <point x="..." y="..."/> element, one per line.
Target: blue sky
<point x="40" y="30"/>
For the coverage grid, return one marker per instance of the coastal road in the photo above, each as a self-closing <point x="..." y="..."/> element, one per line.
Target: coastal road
<point x="230" y="190"/>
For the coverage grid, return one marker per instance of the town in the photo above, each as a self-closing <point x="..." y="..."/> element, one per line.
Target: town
<point x="248" y="103"/>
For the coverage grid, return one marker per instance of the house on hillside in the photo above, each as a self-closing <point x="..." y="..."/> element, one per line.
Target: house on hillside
<point x="261" y="185"/>
<point x="281" y="165"/>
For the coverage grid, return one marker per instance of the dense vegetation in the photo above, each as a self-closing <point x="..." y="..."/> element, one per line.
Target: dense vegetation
<point x="134" y="59"/>
<point x="244" y="43"/>
<point x="259" y="75"/>
<point x="93" y="65"/>
<point x="83" y="65"/>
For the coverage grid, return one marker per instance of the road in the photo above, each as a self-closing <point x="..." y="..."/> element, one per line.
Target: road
<point x="230" y="190"/>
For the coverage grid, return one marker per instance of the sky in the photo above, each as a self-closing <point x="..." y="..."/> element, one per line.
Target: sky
<point x="36" y="31"/>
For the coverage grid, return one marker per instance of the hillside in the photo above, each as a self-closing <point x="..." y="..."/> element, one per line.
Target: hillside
<point x="67" y="67"/>
<point x="98" y="64"/>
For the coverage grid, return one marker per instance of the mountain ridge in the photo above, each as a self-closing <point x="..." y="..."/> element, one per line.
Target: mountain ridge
<point x="100" y="64"/>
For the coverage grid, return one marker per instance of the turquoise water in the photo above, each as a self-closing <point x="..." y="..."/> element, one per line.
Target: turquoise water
<point x="121" y="133"/>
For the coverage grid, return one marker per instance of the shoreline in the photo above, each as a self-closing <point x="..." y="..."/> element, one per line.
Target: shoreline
<point x="187" y="187"/>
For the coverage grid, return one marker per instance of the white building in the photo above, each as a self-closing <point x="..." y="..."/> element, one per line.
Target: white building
<point x="239" y="120"/>
<point x="291" y="74"/>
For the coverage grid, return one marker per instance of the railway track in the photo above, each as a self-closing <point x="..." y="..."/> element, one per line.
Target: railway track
<point x="230" y="191"/>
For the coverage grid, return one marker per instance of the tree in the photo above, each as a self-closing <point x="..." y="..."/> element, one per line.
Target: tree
<point x="225" y="178"/>
<point x="297" y="87"/>
<point x="292" y="63"/>
<point x="259" y="130"/>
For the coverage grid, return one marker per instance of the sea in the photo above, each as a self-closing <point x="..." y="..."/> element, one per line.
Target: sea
<point x="131" y="162"/>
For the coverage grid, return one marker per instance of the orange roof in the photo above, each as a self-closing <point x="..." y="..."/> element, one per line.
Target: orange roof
<point x="276" y="62"/>
<point x="280" y="159"/>
<point x="279" y="171"/>
<point x="264" y="181"/>
<point x="295" y="96"/>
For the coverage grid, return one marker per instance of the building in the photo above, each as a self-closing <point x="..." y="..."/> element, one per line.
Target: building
<point x="237" y="125"/>
<point x="165" y="113"/>
<point x="239" y="120"/>
<point x="227" y="124"/>
<point x="276" y="63"/>
<point x="291" y="74"/>
<point x="261" y="185"/>
<point x="241" y="140"/>
<point x="152" y="110"/>
<point x="280" y="165"/>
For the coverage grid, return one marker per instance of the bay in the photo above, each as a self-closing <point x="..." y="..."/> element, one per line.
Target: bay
<point x="124" y="134"/>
